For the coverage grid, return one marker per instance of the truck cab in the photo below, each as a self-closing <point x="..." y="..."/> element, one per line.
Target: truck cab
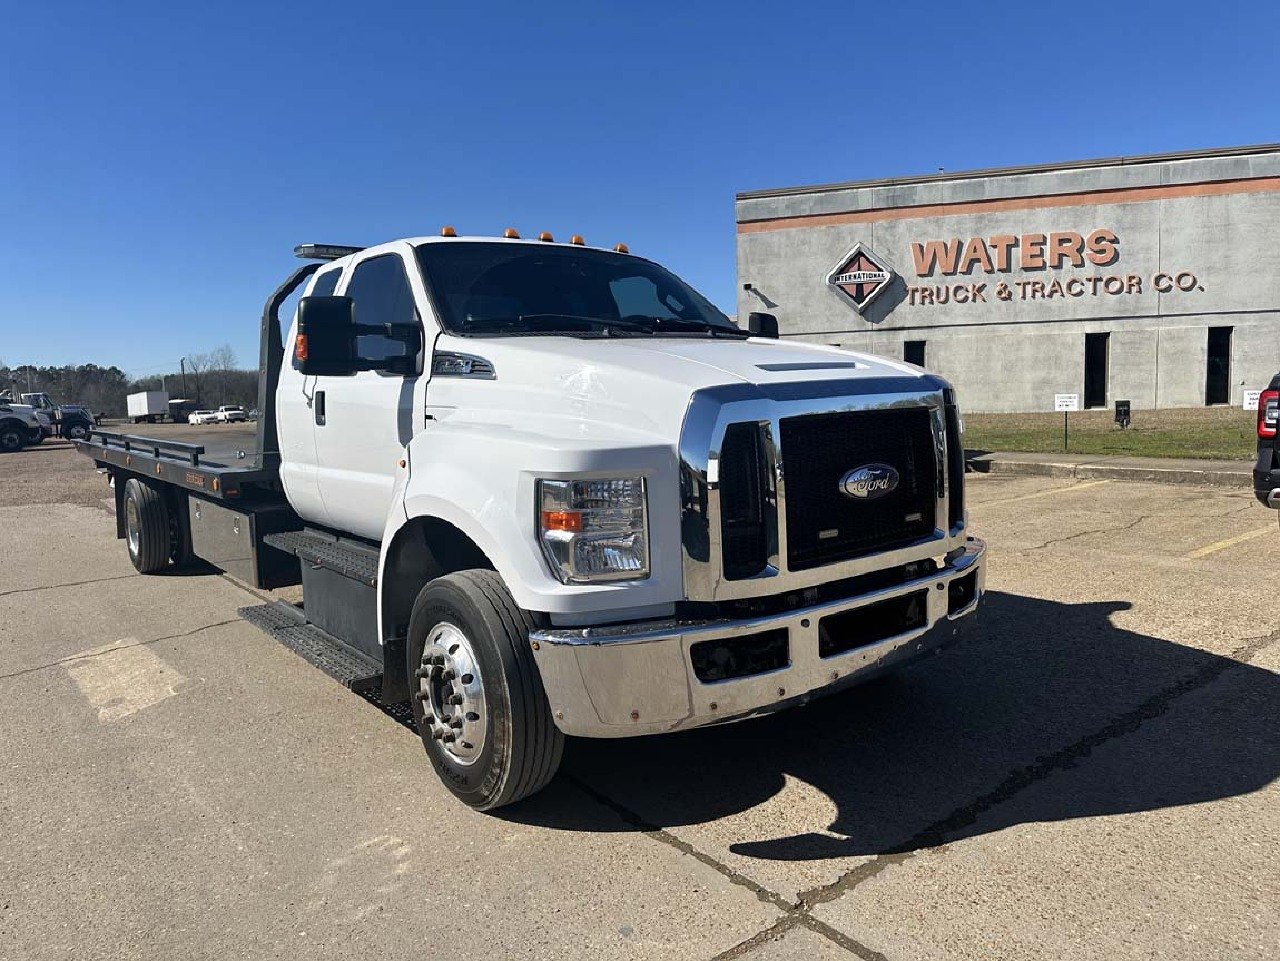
<point x="547" y="489"/>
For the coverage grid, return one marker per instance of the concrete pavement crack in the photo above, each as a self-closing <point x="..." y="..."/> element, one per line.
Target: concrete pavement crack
<point x="793" y="915"/>
<point x="1101" y="530"/>
<point x="935" y="836"/>
<point x="111" y="650"/>
<point x="54" y="587"/>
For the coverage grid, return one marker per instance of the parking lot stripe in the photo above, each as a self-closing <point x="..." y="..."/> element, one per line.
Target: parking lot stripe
<point x="1027" y="497"/>
<point x="1229" y="542"/>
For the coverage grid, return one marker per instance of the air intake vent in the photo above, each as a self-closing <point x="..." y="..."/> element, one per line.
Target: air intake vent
<point x="955" y="469"/>
<point x="743" y="532"/>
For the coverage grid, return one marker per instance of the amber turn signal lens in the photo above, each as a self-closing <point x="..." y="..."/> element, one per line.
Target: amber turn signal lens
<point x="300" y="347"/>
<point x="511" y="233"/>
<point x="447" y="231"/>
<point x="562" y="521"/>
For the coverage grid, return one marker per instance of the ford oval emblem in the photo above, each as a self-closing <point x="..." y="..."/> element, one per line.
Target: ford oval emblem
<point x="869" y="481"/>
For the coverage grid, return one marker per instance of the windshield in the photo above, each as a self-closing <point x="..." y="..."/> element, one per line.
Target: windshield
<point x="487" y="289"/>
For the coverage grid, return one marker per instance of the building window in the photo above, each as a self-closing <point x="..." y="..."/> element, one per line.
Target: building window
<point x="1217" y="375"/>
<point x="1095" y="369"/>
<point x="913" y="352"/>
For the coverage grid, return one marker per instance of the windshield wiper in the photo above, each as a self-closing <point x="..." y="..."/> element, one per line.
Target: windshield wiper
<point x="684" y="323"/>
<point x="626" y="324"/>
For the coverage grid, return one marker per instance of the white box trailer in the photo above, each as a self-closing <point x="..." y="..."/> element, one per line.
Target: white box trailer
<point x="147" y="405"/>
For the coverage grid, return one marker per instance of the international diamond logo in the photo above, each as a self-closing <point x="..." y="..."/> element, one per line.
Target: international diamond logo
<point x="860" y="276"/>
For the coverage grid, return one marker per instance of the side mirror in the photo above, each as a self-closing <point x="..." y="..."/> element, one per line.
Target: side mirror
<point x="326" y="341"/>
<point x="762" y="325"/>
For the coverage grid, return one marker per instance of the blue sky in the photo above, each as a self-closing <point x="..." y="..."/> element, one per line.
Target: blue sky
<point x="160" y="160"/>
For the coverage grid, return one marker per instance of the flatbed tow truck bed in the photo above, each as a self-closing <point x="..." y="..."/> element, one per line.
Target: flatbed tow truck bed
<point x="221" y="467"/>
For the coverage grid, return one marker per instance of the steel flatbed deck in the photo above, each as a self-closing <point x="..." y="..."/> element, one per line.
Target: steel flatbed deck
<point x="219" y="462"/>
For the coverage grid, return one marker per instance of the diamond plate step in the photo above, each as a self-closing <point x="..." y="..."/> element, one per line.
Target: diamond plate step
<point x="288" y="625"/>
<point x="355" y="561"/>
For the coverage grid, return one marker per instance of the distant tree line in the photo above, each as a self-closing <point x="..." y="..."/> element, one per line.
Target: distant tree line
<point x="210" y="379"/>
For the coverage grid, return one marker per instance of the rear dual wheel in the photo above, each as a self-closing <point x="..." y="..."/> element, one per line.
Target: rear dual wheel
<point x="478" y="699"/>
<point x="154" y="535"/>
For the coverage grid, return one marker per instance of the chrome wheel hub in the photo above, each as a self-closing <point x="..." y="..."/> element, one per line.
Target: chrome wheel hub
<point x="452" y="693"/>
<point x="132" y="526"/>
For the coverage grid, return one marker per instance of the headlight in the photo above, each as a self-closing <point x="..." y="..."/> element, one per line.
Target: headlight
<point x="594" y="530"/>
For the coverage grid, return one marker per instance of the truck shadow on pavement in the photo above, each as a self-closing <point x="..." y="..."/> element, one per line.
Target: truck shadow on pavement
<point x="986" y="735"/>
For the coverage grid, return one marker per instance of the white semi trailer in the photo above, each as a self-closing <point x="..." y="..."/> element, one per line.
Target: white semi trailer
<point x="147" y="405"/>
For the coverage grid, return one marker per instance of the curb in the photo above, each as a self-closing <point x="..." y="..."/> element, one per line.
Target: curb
<point x="1241" y="478"/>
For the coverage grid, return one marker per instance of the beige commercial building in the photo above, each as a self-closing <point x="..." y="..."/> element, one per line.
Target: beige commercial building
<point x="1149" y="279"/>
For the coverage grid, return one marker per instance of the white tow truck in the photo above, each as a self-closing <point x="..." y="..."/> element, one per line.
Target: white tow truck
<point x="539" y="489"/>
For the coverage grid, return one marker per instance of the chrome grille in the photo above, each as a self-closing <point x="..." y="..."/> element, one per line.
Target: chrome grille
<point x="823" y="523"/>
<point x="721" y="506"/>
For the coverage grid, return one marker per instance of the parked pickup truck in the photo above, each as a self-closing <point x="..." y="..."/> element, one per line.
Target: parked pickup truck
<point x="21" y="425"/>
<point x="540" y="489"/>
<point x="231" y="414"/>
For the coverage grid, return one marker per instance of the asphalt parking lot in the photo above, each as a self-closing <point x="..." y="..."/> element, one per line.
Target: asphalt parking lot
<point x="1092" y="774"/>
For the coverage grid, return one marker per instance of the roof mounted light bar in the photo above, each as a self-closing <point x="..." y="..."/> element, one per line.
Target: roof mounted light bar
<point x="324" y="251"/>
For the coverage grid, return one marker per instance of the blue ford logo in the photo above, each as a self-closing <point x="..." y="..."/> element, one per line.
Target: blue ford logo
<point x="869" y="481"/>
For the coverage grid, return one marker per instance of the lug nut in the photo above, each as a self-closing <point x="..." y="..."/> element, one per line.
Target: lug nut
<point x="423" y="672"/>
<point x="448" y="737"/>
<point x="456" y="724"/>
<point x="448" y="674"/>
<point x="437" y="660"/>
<point x="455" y="699"/>
<point x="437" y="733"/>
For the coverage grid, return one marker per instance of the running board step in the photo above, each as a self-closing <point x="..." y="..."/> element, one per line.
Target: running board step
<point x="288" y="625"/>
<point x="356" y="561"/>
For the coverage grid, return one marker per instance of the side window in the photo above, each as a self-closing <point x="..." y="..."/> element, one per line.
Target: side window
<point x="382" y="295"/>
<point x="325" y="284"/>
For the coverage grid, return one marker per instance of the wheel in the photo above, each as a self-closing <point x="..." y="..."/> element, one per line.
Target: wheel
<point x="12" y="438"/>
<point x="479" y="703"/>
<point x="146" y="526"/>
<point x="181" y="552"/>
<point x="77" y="431"/>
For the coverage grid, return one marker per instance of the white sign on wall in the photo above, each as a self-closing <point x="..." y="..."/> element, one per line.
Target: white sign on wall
<point x="1066" y="402"/>
<point x="1251" y="399"/>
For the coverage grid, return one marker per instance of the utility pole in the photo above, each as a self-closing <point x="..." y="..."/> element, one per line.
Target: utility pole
<point x="182" y="362"/>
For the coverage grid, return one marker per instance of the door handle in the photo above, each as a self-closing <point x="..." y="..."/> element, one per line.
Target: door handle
<point x="318" y="407"/>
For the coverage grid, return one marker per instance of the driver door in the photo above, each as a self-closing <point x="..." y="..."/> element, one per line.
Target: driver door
<point x="364" y="421"/>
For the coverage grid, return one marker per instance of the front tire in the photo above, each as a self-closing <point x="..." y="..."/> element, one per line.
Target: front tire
<point x="477" y="697"/>
<point x="12" y="438"/>
<point x="146" y="524"/>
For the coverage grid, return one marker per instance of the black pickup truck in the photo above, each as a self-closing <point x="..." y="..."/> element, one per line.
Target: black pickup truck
<point x="1266" y="472"/>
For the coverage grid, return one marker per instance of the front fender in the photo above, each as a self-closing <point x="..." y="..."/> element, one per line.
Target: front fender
<point x="483" y="480"/>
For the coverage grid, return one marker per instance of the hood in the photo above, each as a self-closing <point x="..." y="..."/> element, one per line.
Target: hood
<point x="588" y="387"/>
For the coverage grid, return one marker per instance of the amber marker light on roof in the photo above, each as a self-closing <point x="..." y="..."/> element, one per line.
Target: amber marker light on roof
<point x="577" y="239"/>
<point x="546" y="237"/>
<point x="622" y="248"/>
<point x="511" y="233"/>
<point x="447" y="231"/>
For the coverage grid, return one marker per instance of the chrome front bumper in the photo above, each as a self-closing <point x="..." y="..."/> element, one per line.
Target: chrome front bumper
<point x="621" y="681"/>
